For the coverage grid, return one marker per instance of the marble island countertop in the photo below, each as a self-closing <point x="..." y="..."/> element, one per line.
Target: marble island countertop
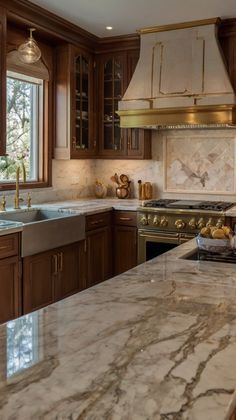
<point x="157" y="342"/>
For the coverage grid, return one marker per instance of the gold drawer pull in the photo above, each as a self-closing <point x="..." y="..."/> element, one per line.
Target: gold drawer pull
<point x="125" y="218"/>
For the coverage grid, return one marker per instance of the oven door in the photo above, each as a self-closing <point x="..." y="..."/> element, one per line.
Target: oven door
<point x="151" y="243"/>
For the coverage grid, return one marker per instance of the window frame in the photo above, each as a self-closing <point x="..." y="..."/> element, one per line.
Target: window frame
<point x="15" y="37"/>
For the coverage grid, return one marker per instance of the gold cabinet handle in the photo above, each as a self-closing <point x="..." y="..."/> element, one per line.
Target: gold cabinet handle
<point x="74" y="142"/>
<point x="60" y="262"/>
<point x="55" y="264"/>
<point x="125" y="218"/>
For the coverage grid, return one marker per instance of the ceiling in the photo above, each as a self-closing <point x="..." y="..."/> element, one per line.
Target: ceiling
<point x="126" y="16"/>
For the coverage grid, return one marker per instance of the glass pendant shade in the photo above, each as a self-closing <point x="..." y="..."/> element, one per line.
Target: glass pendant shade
<point x="29" y="51"/>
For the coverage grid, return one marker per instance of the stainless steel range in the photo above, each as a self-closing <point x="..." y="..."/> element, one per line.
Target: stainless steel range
<point x="164" y="224"/>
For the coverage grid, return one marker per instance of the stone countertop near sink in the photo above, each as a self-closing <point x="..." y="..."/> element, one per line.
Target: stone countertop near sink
<point x="6" y="227"/>
<point x="157" y="342"/>
<point x="88" y="206"/>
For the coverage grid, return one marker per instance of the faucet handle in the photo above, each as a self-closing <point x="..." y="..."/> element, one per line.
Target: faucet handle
<point x="28" y="200"/>
<point x="3" y="203"/>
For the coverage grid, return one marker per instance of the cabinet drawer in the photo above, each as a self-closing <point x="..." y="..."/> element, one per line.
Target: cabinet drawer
<point x="9" y="245"/>
<point x="98" y="220"/>
<point x="125" y="218"/>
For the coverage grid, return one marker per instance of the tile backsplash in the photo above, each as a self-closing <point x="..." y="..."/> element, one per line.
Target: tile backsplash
<point x="75" y="178"/>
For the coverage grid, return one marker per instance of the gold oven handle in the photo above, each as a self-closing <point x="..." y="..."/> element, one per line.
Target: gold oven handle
<point x="174" y="239"/>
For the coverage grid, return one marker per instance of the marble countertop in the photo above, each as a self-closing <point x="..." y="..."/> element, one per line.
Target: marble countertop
<point x="7" y="228"/>
<point x="92" y="206"/>
<point x="157" y="342"/>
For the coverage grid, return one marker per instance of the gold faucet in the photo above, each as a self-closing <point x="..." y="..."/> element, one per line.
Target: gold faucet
<point x="3" y="204"/>
<point x="17" y="194"/>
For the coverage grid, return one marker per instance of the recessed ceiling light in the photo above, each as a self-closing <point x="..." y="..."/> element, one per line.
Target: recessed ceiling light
<point x="109" y="28"/>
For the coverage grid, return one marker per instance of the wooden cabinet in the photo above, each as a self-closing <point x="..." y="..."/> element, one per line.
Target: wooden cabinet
<point x="75" y="114"/>
<point x="38" y="281"/>
<point x="99" y="248"/>
<point x="114" y="73"/>
<point x="10" y="296"/>
<point x="52" y="275"/>
<point x="71" y="276"/>
<point x="125" y="241"/>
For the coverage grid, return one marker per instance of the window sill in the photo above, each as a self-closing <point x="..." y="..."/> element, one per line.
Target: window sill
<point x="24" y="186"/>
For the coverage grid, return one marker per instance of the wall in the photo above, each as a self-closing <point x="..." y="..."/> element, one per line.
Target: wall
<point x="209" y="151"/>
<point x="75" y="178"/>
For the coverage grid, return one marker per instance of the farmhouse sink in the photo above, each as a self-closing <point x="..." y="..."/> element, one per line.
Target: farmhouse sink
<point x="46" y="229"/>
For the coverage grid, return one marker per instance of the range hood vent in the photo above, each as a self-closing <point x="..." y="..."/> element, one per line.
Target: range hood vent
<point x="180" y="80"/>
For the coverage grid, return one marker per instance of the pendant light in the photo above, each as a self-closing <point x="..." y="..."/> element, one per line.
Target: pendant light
<point x="29" y="51"/>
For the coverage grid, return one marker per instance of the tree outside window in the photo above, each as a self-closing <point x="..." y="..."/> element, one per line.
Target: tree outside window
<point x="22" y="128"/>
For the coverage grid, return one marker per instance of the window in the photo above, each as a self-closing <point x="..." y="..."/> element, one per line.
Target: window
<point x="24" y="127"/>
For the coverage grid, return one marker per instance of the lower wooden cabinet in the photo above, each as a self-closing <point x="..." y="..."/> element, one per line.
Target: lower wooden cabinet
<point x="125" y="241"/>
<point x="10" y="296"/>
<point x="71" y="271"/>
<point x="10" y="282"/>
<point x="99" y="248"/>
<point x="52" y="275"/>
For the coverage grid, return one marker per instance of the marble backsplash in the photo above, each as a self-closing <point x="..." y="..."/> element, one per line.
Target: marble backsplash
<point x="75" y="178"/>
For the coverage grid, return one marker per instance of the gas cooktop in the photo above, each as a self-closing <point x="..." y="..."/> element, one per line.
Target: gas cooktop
<point x="189" y="204"/>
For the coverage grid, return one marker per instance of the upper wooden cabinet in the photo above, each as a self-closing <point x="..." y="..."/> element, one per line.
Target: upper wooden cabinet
<point x="75" y="128"/>
<point x="114" y="73"/>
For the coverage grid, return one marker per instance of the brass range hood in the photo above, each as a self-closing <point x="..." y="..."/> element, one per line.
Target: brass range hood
<point x="180" y="80"/>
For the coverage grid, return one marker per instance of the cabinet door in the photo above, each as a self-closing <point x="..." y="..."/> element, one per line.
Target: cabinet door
<point x="39" y="272"/>
<point x="83" y="134"/>
<point x="125" y="253"/>
<point x="99" y="255"/>
<point x="10" y="296"/>
<point x="71" y="273"/>
<point x="112" y="84"/>
<point x="75" y="116"/>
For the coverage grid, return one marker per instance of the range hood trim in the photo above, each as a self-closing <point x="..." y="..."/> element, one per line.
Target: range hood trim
<point x="217" y="115"/>
<point x="182" y="25"/>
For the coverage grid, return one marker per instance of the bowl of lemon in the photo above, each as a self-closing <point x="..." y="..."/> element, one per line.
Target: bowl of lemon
<point x="215" y="239"/>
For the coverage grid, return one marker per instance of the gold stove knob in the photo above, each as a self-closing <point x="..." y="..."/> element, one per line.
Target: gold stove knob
<point x="180" y="224"/>
<point x="164" y="222"/>
<point x="156" y="221"/>
<point x="210" y="222"/>
<point x="144" y="221"/>
<point x="219" y="223"/>
<point x="192" y="223"/>
<point x="201" y="223"/>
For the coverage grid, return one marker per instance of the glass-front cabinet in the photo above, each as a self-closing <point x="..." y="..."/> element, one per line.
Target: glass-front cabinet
<point x="115" y="72"/>
<point x="112" y="83"/>
<point x="75" y="122"/>
<point x="83" y="141"/>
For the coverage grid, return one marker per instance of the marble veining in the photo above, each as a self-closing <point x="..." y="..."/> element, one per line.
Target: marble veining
<point x="157" y="342"/>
